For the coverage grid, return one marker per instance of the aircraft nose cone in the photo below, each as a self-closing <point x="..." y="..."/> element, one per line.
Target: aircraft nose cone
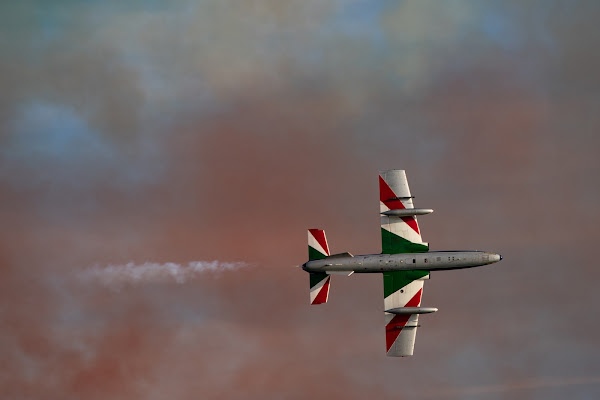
<point x="495" y="257"/>
<point x="500" y="257"/>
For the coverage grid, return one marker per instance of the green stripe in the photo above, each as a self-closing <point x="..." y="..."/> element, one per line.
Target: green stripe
<point x="315" y="254"/>
<point x="316" y="277"/>
<point x="394" y="244"/>
<point x="396" y="280"/>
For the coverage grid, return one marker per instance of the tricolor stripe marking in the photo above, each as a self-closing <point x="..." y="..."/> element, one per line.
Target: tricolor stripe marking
<point x="394" y="327"/>
<point x="323" y="293"/>
<point x="319" y="241"/>
<point x="389" y="198"/>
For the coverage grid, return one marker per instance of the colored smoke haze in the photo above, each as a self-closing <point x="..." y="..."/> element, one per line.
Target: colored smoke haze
<point x="222" y="130"/>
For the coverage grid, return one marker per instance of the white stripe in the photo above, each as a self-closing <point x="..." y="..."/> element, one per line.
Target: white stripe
<point x="312" y="242"/>
<point x="399" y="299"/>
<point x="314" y="291"/>
<point x="400" y="228"/>
<point x="405" y="342"/>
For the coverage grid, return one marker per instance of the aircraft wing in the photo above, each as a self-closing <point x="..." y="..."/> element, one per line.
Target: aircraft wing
<point x="402" y="292"/>
<point x="402" y="289"/>
<point x="399" y="228"/>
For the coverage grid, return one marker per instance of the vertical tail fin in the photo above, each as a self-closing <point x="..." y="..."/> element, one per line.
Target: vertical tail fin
<point x="319" y="281"/>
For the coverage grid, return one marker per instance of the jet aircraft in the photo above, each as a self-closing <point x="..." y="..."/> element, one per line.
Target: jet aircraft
<point x="405" y="262"/>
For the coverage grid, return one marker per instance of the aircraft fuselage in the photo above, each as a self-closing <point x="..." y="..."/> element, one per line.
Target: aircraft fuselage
<point x="428" y="261"/>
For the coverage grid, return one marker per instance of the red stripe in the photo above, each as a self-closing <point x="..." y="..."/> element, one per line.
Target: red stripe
<point x="385" y="194"/>
<point x="323" y="293"/>
<point x="412" y="222"/>
<point x="319" y="236"/>
<point x="394" y="327"/>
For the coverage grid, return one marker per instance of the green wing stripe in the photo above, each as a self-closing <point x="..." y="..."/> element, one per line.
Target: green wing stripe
<point x="394" y="244"/>
<point x="316" y="277"/>
<point x="315" y="254"/>
<point x="396" y="280"/>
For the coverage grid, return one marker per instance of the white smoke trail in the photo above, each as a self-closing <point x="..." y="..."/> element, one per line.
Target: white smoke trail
<point x="118" y="275"/>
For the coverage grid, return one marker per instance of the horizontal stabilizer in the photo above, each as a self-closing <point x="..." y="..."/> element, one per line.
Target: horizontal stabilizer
<point x="317" y="244"/>
<point x="339" y="255"/>
<point x="319" y="287"/>
<point x="411" y="310"/>
<point x="407" y="212"/>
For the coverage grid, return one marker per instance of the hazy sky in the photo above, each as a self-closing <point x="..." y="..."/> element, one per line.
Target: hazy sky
<point x="155" y="132"/>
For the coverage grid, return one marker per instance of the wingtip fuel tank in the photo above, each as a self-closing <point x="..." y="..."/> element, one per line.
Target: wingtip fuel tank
<point x="411" y="310"/>
<point x="407" y="212"/>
